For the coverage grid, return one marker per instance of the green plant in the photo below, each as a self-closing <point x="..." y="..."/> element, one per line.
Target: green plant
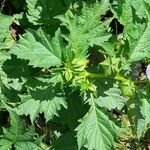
<point x="68" y="75"/>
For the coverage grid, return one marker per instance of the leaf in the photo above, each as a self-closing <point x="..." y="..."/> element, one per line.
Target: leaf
<point x="96" y="130"/>
<point x="17" y="68"/>
<point x="142" y="49"/>
<point x="3" y="77"/>
<point x="43" y="100"/>
<point x="3" y="57"/>
<point x="54" y="45"/>
<point x="86" y="29"/>
<point x="136" y="31"/>
<point x="145" y="109"/>
<point x="110" y="65"/>
<point x="5" y="23"/>
<point x="125" y="15"/>
<point x="42" y="12"/>
<point x="26" y="146"/>
<point x="142" y="110"/>
<point x="5" y="144"/>
<point x="51" y="108"/>
<point x="29" y="106"/>
<point x="17" y="135"/>
<point x="38" y="55"/>
<point x="109" y="48"/>
<point x="113" y="99"/>
<point x="53" y="80"/>
<point x="68" y="74"/>
<point x="139" y="8"/>
<point x="6" y="83"/>
<point x="136" y="116"/>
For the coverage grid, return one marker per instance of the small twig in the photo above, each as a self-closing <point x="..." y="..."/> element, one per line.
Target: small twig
<point x="2" y="5"/>
<point x="116" y="25"/>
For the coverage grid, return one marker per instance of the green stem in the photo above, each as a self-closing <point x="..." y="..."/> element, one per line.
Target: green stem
<point x="140" y="82"/>
<point x="92" y="100"/>
<point x="117" y="77"/>
<point x="94" y="75"/>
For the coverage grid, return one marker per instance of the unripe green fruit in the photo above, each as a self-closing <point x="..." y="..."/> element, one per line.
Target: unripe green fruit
<point x="127" y="88"/>
<point x="68" y="74"/>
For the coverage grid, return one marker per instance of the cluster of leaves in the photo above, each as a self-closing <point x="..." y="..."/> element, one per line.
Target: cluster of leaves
<point x="68" y="75"/>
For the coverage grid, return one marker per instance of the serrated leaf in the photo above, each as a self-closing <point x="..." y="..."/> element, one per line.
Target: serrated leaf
<point x="145" y="109"/>
<point x="53" y="80"/>
<point x="86" y="29"/>
<point x="142" y="48"/>
<point x="26" y="146"/>
<point x="9" y="83"/>
<point x="113" y="100"/>
<point x="42" y="12"/>
<point x="16" y="135"/>
<point x="17" y="68"/>
<point x="3" y="57"/>
<point x="5" y="144"/>
<point x="110" y="65"/>
<point x="125" y="15"/>
<point x="29" y="107"/>
<point x="54" y="45"/>
<point x="137" y="116"/>
<point x="142" y="110"/>
<point x="136" y="30"/>
<point x="97" y="131"/>
<point x="5" y="22"/>
<point x="109" y="48"/>
<point x="38" y="55"/>
<point x="139" y="8"/>
<point x="43" y="100"/>
<point x="51" y="108"/>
